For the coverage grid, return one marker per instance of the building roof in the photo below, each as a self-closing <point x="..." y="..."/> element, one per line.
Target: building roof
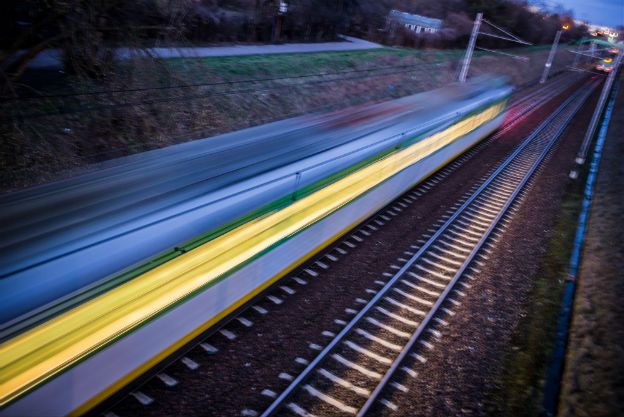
<point x="415" y="19"/>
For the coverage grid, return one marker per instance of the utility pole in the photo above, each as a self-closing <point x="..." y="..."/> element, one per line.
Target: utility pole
<point x="592" y="48"/>
<point x="582" y="154"/>
<point x="281" y="7"/>
<point x="577" y="55"/>
<point x="470" y="49"/>
<point x="551" y="56"/>
<point x="507" y="36"/>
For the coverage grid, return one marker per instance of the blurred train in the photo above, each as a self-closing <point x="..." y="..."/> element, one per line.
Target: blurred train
<point x="107" y="273"/>
<point x="606" y="65"/>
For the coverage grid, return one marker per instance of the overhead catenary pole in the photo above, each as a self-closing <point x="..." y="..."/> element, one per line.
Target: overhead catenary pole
<point x="577" y="55"/>
<point x="551" y="56"/>
<point x="470" y="48"/>
<point x="589" y="134"/>
<point x="592" y="48"/>
<point x="281" y="7"/>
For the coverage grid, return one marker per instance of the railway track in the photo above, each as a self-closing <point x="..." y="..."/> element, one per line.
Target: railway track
<point x="350" y="374"/>
<point x="519" y="110"/>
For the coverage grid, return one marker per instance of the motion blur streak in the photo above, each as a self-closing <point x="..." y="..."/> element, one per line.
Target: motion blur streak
<point x="38" y="354"/>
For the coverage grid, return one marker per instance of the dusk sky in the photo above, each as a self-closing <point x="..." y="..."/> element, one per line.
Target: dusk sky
<point x="600" y="12"/>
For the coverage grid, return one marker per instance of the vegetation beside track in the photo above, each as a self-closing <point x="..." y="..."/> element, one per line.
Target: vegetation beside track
<point x="520" y="386"/>
<point x="593" y="384"/>
<point x="521" y="381"/>
<point x="54" y="137"/>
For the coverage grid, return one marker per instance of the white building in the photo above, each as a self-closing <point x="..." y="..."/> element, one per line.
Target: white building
<point x="413" y="22"/>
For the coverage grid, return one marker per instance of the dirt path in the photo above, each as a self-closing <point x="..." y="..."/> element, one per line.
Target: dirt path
<point x="593" y="380"/>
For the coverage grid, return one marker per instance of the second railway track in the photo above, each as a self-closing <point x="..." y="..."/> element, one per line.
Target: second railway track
<point x="350" y="374"/>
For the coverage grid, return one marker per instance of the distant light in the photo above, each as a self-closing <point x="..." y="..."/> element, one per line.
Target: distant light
<point x="565" y="27"/>
<point x="607" y="60"/>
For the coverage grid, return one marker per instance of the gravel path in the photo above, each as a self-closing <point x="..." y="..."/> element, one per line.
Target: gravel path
<point x="593" y="381"/>
<point x="263" y="356"/>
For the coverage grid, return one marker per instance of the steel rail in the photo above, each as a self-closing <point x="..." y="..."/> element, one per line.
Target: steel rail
<point x="530" y="108"/>
<point x="278" y="402"/>
<point x="430" y="315"/>
<point x="584" y="70"/>
<point x="549" y="88"/>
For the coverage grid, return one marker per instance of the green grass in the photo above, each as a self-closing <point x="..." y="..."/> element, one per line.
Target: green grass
<point x="240" y="67"/>
<point x="234" y="68"/>
<point x="142" y="115"/>
<point x="175" y="71"/>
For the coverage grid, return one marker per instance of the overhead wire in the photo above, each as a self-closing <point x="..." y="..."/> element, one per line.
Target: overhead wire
<point x="194" y="85"/>
<point x="87" y="109"/>
<point x="21" y="117"/>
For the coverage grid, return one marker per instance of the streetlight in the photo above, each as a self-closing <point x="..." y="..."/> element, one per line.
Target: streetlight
<point x="551" y="55"/>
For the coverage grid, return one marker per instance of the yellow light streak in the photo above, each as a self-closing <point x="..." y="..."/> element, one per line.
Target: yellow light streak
<point x="42" y="352"/>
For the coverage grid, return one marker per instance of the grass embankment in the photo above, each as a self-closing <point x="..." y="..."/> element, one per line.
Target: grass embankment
<point x="151" y="103"/>
<point x="237" y="68"/>
<point x="593" y="383"/>
<point x="521" y="382"/>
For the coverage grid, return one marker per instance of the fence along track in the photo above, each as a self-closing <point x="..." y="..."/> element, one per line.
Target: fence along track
<point x="350" y="373"/>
